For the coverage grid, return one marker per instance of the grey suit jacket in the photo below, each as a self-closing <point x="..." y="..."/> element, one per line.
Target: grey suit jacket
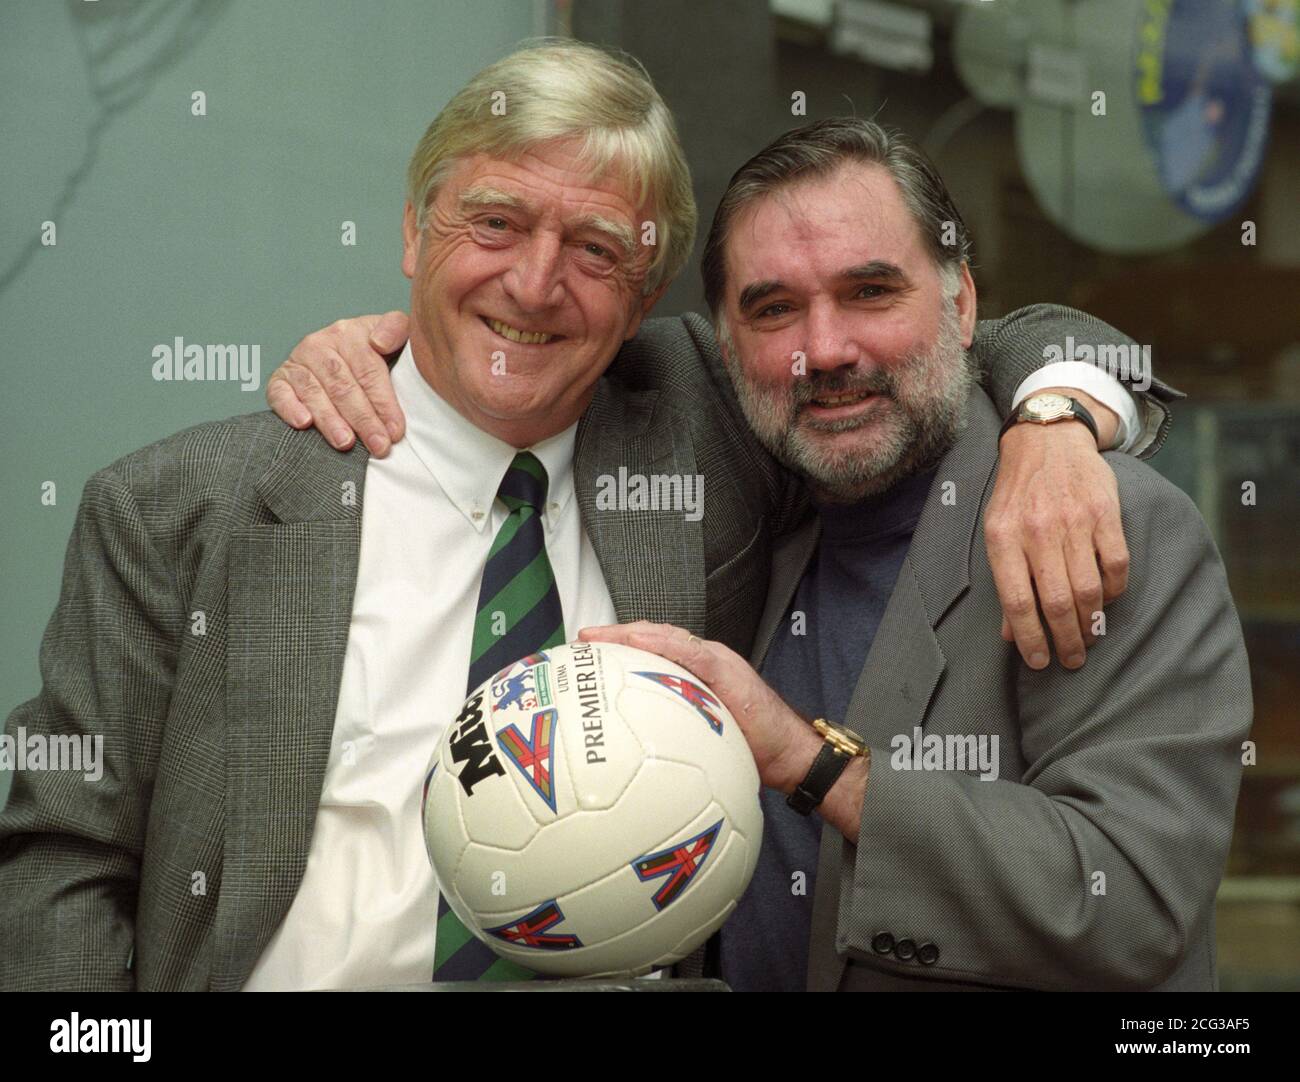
<point x="174" y="870"/>
<point x="1092" y="861"/>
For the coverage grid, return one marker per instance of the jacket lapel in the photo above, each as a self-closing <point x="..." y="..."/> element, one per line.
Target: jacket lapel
<point x="789" y="563"/>
<point x="652" y="560"/>
<point x="289" y="605"/>
<point x="905" y="663"/>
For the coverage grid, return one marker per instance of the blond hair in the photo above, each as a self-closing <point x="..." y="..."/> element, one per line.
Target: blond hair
<point x="558" y="88"/>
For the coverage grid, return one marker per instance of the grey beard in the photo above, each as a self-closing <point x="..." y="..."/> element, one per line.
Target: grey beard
<point x="925" y="412"/>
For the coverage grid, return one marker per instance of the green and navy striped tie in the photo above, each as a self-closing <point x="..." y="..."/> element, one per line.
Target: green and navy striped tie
<point x="518" y="614"/>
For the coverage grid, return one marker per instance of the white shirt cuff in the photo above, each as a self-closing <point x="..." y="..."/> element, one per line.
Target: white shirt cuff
<point x="1093" y="381"/>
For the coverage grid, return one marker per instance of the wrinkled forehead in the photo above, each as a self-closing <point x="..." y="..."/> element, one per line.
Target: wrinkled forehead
<point x="816" y="226"/>
<point x="557" y="173"/>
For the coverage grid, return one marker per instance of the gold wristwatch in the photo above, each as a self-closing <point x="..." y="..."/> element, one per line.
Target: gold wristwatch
<point x="1046" y="408"/>
<point x="842" y="746"/>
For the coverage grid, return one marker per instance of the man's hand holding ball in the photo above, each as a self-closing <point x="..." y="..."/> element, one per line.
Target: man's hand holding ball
<point x="783" y="744"/>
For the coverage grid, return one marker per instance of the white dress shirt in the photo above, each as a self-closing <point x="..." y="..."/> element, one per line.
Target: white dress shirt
<point x="1134" y="434"/>
<point x="365" y="912"/>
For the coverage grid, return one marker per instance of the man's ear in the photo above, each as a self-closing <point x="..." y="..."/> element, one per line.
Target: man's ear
<point x="410" y="241"/>
<point x="721" y="332"/>
<point x="966" y="303"/>
<point x="647" y="302"/>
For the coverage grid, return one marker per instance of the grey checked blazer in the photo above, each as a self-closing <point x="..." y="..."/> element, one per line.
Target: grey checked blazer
<point x="1129" y="766"/>
<point x="174" y="870"/>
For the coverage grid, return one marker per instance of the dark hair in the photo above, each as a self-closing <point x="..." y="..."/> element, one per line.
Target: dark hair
<point x="817" y="149"/>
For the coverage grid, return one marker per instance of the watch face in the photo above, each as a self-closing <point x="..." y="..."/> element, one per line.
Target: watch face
<point x="1047" y="407"/>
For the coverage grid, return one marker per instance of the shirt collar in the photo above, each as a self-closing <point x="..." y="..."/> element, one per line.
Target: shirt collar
<point x="468" y="463"/>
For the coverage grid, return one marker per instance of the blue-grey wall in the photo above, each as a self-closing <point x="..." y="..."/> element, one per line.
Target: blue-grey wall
<point x="224" y="228"/>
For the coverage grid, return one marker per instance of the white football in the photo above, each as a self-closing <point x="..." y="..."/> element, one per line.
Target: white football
<point x="593" y="810"/>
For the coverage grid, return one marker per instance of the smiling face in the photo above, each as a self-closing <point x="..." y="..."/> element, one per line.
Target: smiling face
<point x="526" y="279"/>
<point x="833" y="270"/>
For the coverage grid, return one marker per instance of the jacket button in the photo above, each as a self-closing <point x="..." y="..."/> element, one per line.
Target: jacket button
<point x="882" y="943"/>
<point x="904" y="950"/>
<point x="927" y="954"/>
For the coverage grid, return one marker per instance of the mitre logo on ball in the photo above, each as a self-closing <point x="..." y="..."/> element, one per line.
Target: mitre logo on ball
<point x="593" y="810"/>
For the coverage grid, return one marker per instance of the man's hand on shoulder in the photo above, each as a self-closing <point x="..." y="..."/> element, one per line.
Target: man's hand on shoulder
<point x="337" y="379"/>
<point x="1054" y="538"/>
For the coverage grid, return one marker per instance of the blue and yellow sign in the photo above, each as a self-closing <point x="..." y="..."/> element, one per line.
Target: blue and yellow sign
<point x="1204" y="101"/>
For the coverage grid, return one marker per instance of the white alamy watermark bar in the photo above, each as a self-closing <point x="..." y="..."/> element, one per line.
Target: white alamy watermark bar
<point x="657" y="492"/>
<point x="53" y="751"/>
<point x="212" y="363"/>
<point x="1129" y="363"/>
<point x="947" y="751"/>
<point x="112" y="1035"/>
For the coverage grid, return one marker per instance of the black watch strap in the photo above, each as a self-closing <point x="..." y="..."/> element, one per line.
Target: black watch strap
<point x="825" y="772"/>
<point x="1077" y="409"/>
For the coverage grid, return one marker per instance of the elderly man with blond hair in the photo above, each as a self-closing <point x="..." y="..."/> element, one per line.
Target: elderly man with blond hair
<point x="257" y="825"/>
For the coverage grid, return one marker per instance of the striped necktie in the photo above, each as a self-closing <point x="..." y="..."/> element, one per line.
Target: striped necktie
<point x="518" y="614"/>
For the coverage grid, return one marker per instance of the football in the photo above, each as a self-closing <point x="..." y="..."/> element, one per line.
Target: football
<point x="592" y="811"/>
